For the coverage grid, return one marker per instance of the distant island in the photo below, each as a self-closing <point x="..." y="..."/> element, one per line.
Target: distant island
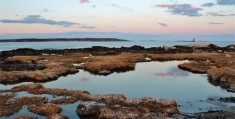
<point x="63" y="39"/>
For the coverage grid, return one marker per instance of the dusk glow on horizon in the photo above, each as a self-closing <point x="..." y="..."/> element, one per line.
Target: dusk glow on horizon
<point x="178" y="17"/>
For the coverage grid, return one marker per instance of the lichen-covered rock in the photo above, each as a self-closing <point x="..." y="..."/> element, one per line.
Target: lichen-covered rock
<point x="125" y="113"/>
<point x="90" y="108"/>
<point x="215" y="115"/>
<point x="45" y="109"/>
<point x="109" y="99"/>
<point x="160" y="106"/>
<point x="28" y="87"/>
<point x="57" y="116"/>
<point x="10" y="103"/>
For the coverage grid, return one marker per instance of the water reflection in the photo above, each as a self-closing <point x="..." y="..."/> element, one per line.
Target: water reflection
<point x="172" y="72"/>
<point x="85" y="79"/>
<point x="150" y="79"/>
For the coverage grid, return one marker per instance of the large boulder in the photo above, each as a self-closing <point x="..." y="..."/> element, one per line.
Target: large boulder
<point x="88" y="108"/>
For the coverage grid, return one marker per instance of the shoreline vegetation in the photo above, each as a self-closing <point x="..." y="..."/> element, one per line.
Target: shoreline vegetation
<point x="63" y="39"/>
<point x="46" y="65"/>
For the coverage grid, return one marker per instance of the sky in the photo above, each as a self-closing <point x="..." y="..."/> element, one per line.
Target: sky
<point x="151" y="19"/>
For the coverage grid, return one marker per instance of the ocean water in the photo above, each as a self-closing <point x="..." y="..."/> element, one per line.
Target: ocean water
<point x="68" y="45"/>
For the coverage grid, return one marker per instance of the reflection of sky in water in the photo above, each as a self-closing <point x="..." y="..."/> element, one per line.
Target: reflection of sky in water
<point x="190" y="90"/>
<point x="172" y="72"/>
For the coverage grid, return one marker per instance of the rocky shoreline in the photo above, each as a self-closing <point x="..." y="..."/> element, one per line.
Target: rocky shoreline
<point x="29" y="65"/>
<point x="95" y="106"/>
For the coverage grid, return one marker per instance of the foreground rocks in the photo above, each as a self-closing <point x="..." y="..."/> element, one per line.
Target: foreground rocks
<point x="98" y="106"/>
<point x="215" y="115"/>
<point x="45" y="109"/>
<point x="147" y="108"/>
<point x="10" y="104"/>
<point x="206" y="115"/>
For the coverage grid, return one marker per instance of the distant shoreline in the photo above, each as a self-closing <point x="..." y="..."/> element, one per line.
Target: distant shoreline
<point x="64" y="39"/>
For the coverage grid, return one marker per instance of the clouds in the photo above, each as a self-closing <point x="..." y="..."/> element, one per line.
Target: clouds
<point x="226" y="2"/>
<point x="215" y="23"/>
<point x="45" y="10"/>
<point x="208" y="5"/>
<point x="87" y="27"/>
<point x="121" y="7"/>
<point x="37" y="19"/>
<point x="181" y="9"/>
<point x="84" y="1"/>
<point x="219" y="2"/>
<point x="219" y="14"/>
<point x="163" y="24"/>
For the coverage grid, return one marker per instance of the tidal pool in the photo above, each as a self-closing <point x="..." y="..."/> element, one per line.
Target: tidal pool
<point x="149" y="79"/>
<point x="152" y="79"/>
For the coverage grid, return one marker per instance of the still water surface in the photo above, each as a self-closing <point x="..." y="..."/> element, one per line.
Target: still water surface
<point x="149" y="79"/>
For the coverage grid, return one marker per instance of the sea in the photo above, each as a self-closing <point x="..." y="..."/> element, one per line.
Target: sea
<point x="6" y="46"/>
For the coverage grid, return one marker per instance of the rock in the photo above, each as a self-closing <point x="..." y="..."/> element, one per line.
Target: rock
<point x="197" y="51"/>
<point x="215" y="115"/>
<point x="45" y="109"/>
<point x="28" y="87"/>
<point x="213" y="77"/>
<point x="78" y="65"/>
<point x="109" y="99"/>
<point x="167" y="106"/>
<point x="165" y="47"/>
<point x="147" y="59"/>
<point x="232" y="47"/>
<point x="219" y="51"/>
<point x="20" y="66"/>
<point x="227" y="99"/>
<point x="90" y="55"/>
<point x="183" y="116"/>
<point x="231" y="90"/>
<point x="23" y="117"/>
<point x="199" y="45"/>
<point x="44" y="60"/>
<point x="223" y="79"/>
<point x="85" y="57"/>
<point x="88" y="108"/>
<point x="125" y="113"/>
<point x="104" y="72"/>
<point x="45" y="54"/>
<point x="57" y="116"/>
<point x="228" y="55"/>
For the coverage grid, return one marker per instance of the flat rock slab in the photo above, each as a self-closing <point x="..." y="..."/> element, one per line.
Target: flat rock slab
<point x="215" y="115"/>
<point x="57" y="116"/>
<point x="45" y="109"/>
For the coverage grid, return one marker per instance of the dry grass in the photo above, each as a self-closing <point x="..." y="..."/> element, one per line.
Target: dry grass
<point x="215" y="64"/>
<point x="182" y="56"/>
<point x="124" y="61"/>
<point x="157" y="106"/>
<point x="10" y="104"/>
<point x="195" y="67"/>
<point x="55" y="67"/>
